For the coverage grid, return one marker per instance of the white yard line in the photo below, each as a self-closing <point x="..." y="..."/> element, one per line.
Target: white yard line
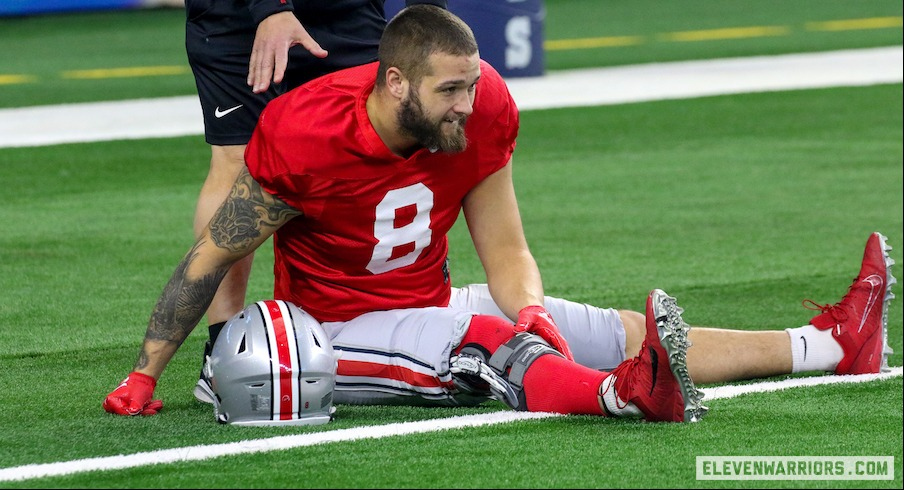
<point x="181" y="116"/>
<point x="688" y="79"/>
<point x="203" y="452"/>
<point x="731" y="391"/>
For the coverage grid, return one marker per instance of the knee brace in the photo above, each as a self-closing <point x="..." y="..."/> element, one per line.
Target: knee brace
<point x="504" y="370"/>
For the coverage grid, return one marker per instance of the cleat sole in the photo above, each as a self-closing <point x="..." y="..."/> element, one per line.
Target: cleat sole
<point x="673" y="336"/>
<point x="889" y="280"/>
<point x="203" y="393"/>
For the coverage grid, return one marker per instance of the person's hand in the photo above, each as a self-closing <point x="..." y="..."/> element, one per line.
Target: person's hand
<point x="538" y="321"/>
<point x="133" y="396"/>
<point x="270" y="53"/>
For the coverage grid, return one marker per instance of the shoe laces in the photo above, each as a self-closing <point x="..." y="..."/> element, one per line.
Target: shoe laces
<point x="839" y="310"/>
<point x="625" y="367"/>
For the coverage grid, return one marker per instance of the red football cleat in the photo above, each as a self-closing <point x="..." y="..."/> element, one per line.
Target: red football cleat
<point x="859" y="322"/>
<point x="657" y="381"/>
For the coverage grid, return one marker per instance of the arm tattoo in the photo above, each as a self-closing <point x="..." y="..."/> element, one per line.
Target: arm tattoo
<point x="182" y="303"/>
<point x="237" y="227"/>
<point x="247" y="210"/>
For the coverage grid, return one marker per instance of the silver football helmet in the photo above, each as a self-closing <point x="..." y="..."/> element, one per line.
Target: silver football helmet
<point x="273" y="364"/>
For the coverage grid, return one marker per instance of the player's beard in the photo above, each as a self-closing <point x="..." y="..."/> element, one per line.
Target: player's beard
<point x="414" y="122"/>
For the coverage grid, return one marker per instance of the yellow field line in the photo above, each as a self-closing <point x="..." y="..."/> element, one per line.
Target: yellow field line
<point x="593" y="42"/>
<point x="552" y="45"/>
<point x="719" y="34"/>
<point x="138" y="71"/>
<point x="14" y="79"/>
<point x="854" y="24"/>
<point x="684" y="36"/>
<point x="727" y="33"/>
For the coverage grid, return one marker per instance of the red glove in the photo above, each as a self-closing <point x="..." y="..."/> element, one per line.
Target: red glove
<point x="536" y="320"/>
<point x="133" y="396"/>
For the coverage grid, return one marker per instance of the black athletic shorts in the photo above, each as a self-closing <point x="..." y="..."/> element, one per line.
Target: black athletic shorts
<point x="219" y="35"/>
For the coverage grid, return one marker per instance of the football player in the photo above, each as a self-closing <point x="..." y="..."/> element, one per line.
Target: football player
<point x="241" y="54"/>
<point x="359" y="175"/>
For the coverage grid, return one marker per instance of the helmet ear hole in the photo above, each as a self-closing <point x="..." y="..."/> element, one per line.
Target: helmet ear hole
<point x="273" y="364"/>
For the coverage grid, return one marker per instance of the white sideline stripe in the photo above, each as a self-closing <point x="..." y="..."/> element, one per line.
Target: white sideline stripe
<point x="731" y="391"/>
<point x="181" y="116"/>
<point x="203" y="452"/>
<point x="689" y="79"/>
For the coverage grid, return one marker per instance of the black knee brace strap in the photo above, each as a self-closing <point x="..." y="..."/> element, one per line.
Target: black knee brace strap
<point x="504" y="371"/>
<point x="512" y="358"/>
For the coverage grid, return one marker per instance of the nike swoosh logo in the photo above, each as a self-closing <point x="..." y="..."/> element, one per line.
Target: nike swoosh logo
<point x="218" y="113"/>
<point x="654" y="363"/>
<point x="805" y="346"/>
<point x="875" y="283"/>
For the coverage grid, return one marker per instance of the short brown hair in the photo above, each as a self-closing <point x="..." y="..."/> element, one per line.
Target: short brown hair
<point x="417" y="32"/>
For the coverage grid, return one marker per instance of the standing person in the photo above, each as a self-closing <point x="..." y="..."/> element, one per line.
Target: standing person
<point x="359" y="194"/>
<point x="242" y="56"/>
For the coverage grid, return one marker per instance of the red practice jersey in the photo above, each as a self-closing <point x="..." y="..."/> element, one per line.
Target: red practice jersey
<point x="373" y="231"/>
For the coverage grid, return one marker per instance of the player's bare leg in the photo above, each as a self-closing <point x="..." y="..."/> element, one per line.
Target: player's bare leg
<point x="716" y="355"/>
<point x="719" y="355"/>
<point x="225" y="164"/>
<point x="848" y="337"/>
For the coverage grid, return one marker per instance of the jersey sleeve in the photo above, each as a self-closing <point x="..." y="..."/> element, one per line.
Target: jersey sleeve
<point x="261" y="9"/>
<point x="269" y="159"/>
<point x="498" y="140"/>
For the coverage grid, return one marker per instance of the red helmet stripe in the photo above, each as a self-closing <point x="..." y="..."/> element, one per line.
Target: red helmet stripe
<point x="282" y="377"/>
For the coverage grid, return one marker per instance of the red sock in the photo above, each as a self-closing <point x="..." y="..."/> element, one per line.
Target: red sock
<point x="552" y="383"/>
<point x="487" y="333"/>
<point x="555" y="384"/>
